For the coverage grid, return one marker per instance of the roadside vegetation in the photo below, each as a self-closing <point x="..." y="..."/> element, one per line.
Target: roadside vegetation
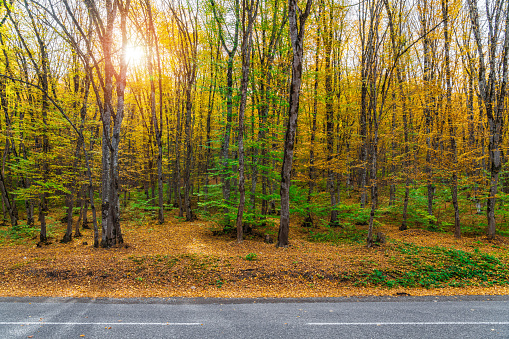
<point x="201" y="258"/>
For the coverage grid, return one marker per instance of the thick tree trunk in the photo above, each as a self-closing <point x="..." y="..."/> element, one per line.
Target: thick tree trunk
<point x="117" y="237"/>
<point x="118" y="118"/>
<point x="70" y="204"/>
<point x="111" y="233"/>
<point x="492" y="91"/>
<point x="106" y="175"/>
<point x="81" y="199"/>
<point x="297" y="39"/>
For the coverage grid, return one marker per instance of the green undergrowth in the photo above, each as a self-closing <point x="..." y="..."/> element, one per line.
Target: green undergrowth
<point x="336" y="235"/>
<point x="436" y="267"/>
<point x="19" y="234"/>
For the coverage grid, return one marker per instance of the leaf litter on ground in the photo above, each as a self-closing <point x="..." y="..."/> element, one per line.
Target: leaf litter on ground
<point x="185" y="259"/>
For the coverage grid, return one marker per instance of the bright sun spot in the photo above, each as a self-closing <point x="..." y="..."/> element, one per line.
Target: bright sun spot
<point x="134" y="55"/>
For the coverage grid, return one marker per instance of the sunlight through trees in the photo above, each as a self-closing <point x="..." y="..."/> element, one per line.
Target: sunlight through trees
<point x="255" y="113"/>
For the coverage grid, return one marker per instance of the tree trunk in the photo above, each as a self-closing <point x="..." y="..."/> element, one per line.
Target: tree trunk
<point x="189" y="154"/>
<point x="156" y="123"/>
<point x="212" y="92"/>
<point x="312" y="169"/>
<point x="250" y="8"/>
<point x="297" y="39"/>
<point x="428" y="119"/>
<point x="449" y="114"/>
<point x="492" y="91"/>
<point x="329" y="112"/>
<point x="3" y="187"/>
<point x="229" y="96"/>
<point x="396" y="49"/>
<point x="176" y="172"/>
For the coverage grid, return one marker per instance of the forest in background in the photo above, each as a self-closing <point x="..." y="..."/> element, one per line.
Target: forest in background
<point x="215" y="107"/>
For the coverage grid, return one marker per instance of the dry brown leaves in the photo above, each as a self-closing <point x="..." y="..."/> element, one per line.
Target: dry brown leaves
<point x="184" y="259"/>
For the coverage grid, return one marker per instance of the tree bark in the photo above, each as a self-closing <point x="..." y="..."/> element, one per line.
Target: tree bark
<point x="156" y="123"/>
<point x="329" y="112"/>
<point x="297" y="20"/>
<point x="449" y="114"/>
<point x="249" y="9"/>
<point x="428" y="118"/>
<point x="225" y="147"/>
<point x="492" y="91"/>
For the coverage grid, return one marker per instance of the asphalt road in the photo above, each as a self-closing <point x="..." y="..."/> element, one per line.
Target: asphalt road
<point x="386" y="317"/>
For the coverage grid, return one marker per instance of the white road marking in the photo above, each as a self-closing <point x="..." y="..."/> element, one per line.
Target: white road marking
<point x="414" y="323"/>
<point x="91" y="323"/>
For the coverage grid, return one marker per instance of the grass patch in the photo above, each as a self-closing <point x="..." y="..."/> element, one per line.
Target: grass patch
<point x="18" y="235"/>
<point x="438" y="267"/>
<point x="348" y="233"/>
<point x="251" y="256"/>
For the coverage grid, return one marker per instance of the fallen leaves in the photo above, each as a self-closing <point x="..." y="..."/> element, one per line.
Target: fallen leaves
<point x="184" y="259"/>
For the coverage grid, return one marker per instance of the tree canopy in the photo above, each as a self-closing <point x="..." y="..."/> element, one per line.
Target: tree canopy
<point x="255" y="111"/>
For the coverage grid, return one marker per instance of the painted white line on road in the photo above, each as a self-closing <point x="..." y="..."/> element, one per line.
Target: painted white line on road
<point x="414" y="323"/>
<point x="90" y="323"/>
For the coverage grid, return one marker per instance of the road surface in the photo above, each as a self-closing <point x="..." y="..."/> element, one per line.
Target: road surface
<point x="372" y="317"/>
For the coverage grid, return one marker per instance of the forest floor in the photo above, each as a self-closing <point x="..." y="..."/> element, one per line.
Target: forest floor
<point x="185" y="259"/>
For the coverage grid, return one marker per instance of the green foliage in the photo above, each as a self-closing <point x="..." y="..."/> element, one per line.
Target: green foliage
<point x="219" y="283"/>
<point x="502" y="213"/>
<point x="436" y="267"/>
<point x="19" y="233"/>
<point x="251" y="256"/>
<point x="224" y="213"/>
<point x="299" y="204"/>
<point x="216" y="206"/>
<point x="348" y="233"/>
<point x="418" y="209"/>
<point x="145" y="209"/>
<point x="355" y="214"/>
<point x="22" y="232"/>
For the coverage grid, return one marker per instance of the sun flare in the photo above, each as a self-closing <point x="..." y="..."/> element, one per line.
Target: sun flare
<point x="135" y="55"/>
